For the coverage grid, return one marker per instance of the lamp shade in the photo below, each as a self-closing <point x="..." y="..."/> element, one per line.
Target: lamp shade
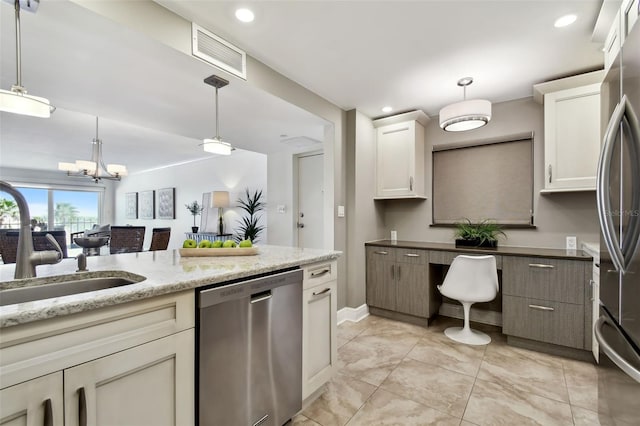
<point x="19" y="103"/>
<point x="216" y="146"/>
<point x="465" y="115"/>
<point x="220" y="199"/>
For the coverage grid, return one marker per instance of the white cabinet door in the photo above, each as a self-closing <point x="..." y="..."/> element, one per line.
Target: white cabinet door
<point x="319" y="328"/>
<point x="572" y="138"/>
<point x="400" y="160"/>
<point x="35" y="402"/>
<point x="150" y="384"/>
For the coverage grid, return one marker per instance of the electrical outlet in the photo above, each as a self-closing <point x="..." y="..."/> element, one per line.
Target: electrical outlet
<point x="572" y="243"/>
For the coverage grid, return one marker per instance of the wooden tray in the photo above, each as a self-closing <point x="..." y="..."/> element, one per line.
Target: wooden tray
<point x="208" y="252"/>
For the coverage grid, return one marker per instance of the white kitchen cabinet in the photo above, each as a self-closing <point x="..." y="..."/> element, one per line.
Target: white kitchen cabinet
<point x="150" y="384"/>
<point x="572" y="132"/>
<point x="612" y="42"/>
<point x="319" y="326"/>
<point x="135" y="362"/>
<point x="400" y="156"/>
<point x="34" y="402"/>
<point x="629" y="13"/>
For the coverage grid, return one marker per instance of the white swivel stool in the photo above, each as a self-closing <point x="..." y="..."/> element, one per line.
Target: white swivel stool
<point x="470" y="279"/>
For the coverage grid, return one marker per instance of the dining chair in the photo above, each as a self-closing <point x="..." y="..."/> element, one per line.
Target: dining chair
<point x="126" y="239"/>
<point x="9" y="243"/>
<point x="160" y="238"/>
<point x="470" y="279"/>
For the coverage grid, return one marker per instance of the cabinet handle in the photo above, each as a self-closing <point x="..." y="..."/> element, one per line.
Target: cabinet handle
<point x="82" y="407"/>
<point x="393" y="272"/>
<point x="541" y="308"/>
<point x="550" y="173"/>
<point x="541" y="265"/>
<point x="316" y="274"/>
<point x="318" y="293"/>
<point x="410" y="183"/>
<point x="412" y="255"/>
<point x="382" y="252"/>
<point x="591" y="284"/>
<point x="48" y="412"/>
<point x="398" y="272"/>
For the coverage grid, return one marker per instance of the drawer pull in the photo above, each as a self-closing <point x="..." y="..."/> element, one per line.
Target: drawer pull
<point x="541" y="308"/>
<point x="82" y="407"/>
<point x="541" y="265"/>
<point x="381" y="252"/>
<point x="412" y="255"/>
<point x="316" y="274"/>
<point x="48" y="413"/>
<point x="318" y="293"/>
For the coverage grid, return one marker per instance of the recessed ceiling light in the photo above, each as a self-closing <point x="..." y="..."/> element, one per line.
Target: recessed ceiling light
<point x="244" y="15"/>
<point x="565" y="20"/>
<point x="387" y="109"/>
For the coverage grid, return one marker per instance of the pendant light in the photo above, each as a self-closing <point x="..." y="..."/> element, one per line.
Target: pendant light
<point x="17" y="100"/>
<point x="465" y="115"/>
<point x="216" y="145"/>
<point x="95" y="168"/>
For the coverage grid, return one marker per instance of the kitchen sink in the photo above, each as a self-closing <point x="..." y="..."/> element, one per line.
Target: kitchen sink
<point x="42" y="288"/>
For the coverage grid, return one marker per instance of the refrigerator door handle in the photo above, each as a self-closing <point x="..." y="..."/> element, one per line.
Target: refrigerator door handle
<point x="603" y="196"/>
<point x="632" y="133"/>
<point x="617" y="359"/>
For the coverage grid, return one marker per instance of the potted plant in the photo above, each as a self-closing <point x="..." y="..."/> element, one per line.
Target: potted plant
<point x="252" y="204"/>
<point x="195" y="209"/>
<point x="480" y="234"/>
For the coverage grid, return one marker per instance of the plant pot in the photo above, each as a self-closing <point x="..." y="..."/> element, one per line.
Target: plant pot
<point x="194" y="229"/>
<point x="476" y="243"/>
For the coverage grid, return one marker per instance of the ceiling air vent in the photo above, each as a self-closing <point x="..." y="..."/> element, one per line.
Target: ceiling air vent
<point x="218" y="52"/>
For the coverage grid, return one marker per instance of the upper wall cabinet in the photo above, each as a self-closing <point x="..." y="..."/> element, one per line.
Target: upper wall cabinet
<point x="572" y="126"/>
<point x="400" y="156"/>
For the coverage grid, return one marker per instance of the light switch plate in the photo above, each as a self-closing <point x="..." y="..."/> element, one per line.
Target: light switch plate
<point x="572" y="243"/>
<point x="340" y="211"/>
<point x="281" y="208"/>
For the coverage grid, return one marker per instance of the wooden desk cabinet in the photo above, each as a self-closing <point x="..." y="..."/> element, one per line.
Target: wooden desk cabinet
<point x="544" y="299"/>
<point x="398" y="280"/>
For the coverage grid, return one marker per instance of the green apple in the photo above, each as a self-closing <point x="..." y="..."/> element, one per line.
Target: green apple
<point x="245" y="243"/>
<point x="229" y="244"/>
<point x="189" y="244"/>
<point x="216" y="244"/>
<point x="204" y="244"/>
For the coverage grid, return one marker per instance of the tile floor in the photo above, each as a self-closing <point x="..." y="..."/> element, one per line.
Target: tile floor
<point x="393" y="373"/>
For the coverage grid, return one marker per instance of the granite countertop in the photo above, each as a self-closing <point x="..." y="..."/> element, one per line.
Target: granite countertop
<point x="165" y="272"/>
<point x="501" y="250"/>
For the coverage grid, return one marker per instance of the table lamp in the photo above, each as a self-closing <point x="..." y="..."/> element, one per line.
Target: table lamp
<point x="220" y="200"/>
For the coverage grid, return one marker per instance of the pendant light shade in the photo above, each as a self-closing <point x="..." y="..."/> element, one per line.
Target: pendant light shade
<point x="16" y="100"/>
<point x="216" y="145"/>
<point x="465" y="115"/>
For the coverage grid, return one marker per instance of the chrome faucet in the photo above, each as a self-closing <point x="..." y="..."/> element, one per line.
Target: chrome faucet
<point x="27" y="259"/>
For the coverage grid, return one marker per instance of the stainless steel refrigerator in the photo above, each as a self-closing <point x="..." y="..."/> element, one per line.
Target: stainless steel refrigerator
<point x="618" y="194"/>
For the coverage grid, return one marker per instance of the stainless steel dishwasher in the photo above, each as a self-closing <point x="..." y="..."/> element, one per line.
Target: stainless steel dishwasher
<point x="250" y="351"/>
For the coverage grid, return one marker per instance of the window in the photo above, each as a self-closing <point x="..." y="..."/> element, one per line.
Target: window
<point x="487" y="180"/>
<point x="56" y="209"/>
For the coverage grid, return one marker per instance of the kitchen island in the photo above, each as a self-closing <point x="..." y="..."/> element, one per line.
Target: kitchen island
<point x="125" y="355"/>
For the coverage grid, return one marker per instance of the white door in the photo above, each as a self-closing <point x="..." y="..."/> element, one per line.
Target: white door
<point x="309" y="217"/>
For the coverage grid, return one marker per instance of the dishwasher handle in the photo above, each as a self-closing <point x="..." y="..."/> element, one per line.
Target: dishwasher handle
<point x="261" y="297"/>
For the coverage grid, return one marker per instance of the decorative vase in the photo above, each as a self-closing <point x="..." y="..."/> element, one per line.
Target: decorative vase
<point x="194" y="229"/>
<point x="476" y="243"/>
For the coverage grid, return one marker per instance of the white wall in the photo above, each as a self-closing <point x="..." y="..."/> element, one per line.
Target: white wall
<point x="243" y="169"/>
<point x="280" y="184"/>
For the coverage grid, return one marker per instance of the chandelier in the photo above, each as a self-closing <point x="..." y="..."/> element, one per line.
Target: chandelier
<point x="95" y="168"/>
<point x="216" y="145"/>
<point x="465" y="115"/>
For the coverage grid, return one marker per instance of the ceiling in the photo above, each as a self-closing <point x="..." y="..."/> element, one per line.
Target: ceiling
<point x="409" y="54"/>
<point x="155" y="109"/>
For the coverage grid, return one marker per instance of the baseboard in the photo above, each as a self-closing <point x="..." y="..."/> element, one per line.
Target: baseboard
<point x="353" y="314"/>
<point x="476" y="315"/>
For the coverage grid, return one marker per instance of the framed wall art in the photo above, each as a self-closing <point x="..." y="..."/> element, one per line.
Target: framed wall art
<point x="131" y="205"/>
<point x="147" y="204"/>
<point x="166" y="203"/>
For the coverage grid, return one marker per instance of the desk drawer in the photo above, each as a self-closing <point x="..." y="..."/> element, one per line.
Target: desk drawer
<point x="380" y="254"/>
<point x="547" y="279"/>
<point x="412" y="256"/>
<point x="541" y="320"/>
<point x="446" y="257"/>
